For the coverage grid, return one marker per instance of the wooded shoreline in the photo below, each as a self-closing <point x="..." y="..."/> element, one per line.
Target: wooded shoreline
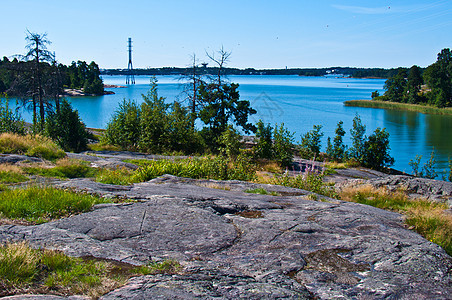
<point x="426" y="109"/>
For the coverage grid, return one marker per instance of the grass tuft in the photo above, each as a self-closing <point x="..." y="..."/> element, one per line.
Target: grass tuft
<point x="31" y="145"/>
<point x="64" y="168"/>
<point x="41" y="204"/>
<point x="11" y="174"/>
<point x="427" y="217"/>
<point x="261" y="191"/>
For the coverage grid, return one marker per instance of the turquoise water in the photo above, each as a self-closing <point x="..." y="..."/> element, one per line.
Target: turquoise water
<point x="300" y="103"/>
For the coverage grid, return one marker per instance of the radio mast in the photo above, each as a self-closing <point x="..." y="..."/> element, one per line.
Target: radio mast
<point x="130" y="79"/>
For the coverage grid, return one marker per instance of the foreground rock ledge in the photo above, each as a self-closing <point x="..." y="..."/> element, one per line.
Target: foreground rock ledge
<point x="234" y="244"/>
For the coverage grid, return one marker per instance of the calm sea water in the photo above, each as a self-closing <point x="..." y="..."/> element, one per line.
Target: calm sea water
<point x="300" y="103"/>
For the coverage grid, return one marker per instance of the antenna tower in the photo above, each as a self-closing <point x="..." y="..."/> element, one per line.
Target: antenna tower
<point x="130" y="79"/>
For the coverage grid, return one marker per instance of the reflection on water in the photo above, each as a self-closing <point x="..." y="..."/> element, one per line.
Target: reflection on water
<point x="300" y="103"/>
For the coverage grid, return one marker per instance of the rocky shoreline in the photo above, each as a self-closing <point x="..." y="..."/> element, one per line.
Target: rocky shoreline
<point x="233" y="244"/>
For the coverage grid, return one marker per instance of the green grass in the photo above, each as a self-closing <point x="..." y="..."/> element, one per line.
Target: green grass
<point x="426" y="109"/>
<point x="27" y="270"/>
<point x="308" y="182"/>
<point x="31" y="145"/>
<point x="428" y="218"/>
<point x="41" y="204"/>
<point x="65" y="168"/>
<point x="218" y="167"/>
<point x="12" y="177"/>
<point x="120" y="176"/>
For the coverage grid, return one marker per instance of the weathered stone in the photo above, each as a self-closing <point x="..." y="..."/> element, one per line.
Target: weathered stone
<point x="233" y="244"/>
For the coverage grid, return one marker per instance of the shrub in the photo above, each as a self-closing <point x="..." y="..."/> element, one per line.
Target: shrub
<point x="358" y="139"/>
<point x="264" y="143"/>
<point x="66" y="128"/>
<point x="283" y="145"/>
<point x="9" y="121"/>
<point x="376" y="150"/>
<point x="337" y="150"/>
<point x="311" y="143"/>
<point x="230" y="142"/>
<point x="124" y="128"/>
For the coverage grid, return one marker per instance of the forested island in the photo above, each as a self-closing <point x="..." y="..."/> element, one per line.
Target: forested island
<point x="204" y="70"/>
<point x="417" y="89"/>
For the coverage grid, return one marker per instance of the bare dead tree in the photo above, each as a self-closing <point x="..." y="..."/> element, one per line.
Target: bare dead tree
<point x="220" y="59"/>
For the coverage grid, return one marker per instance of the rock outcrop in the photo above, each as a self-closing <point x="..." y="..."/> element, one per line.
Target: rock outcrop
<point x="238" y="245"/>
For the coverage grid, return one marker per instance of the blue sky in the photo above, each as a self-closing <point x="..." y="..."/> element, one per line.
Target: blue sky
<point x="260" y="34"/>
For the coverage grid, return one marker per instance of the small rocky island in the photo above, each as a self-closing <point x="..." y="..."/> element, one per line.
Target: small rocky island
<point x="232" y="244"/>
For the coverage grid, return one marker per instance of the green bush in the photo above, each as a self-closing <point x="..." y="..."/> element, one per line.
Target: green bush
<point x="357" y="132"/>
<point x="337" y="150"/>
<point x="283" y="145"/>
<point x="264" y="144"/>
<point x="9" y="121"/>
<point x="66" y="128"/>
<point x="311" y="143"/>
<point x="376" y="150"/>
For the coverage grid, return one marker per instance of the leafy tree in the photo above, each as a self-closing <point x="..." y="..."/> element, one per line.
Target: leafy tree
<point x="124" y="128"/>
<point x="66" y="128"/>
<point x="375" y="94"/>
<point x="264" y="143"/>
<point x="182" y="136"/>
<point x="337" y="151"/>
<point x="311" y="142"/>
<point x="221" y="105"/>
<point x="438" y="77"/>
<point x="414" y="163"/>
<point x="395" y="86"/>
<point x="414" y="83"/>
<point x="357" y="135"/>
<point x="376" y="150"/>
<point x="283" y="145"/>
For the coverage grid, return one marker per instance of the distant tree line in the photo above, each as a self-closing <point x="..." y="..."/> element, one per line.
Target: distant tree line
<point x="345" y="71"/>
<point x="432" y="85"/>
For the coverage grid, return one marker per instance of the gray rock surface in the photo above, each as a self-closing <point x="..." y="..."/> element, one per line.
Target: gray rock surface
<point x="233" y="244"/>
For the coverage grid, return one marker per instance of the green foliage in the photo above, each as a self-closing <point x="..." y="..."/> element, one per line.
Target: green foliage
<point x="414" y="164"/>
<point x="357" y="135"/>
<point x="11" y="177"/>
<point x="9" y="121"/>
<point x="154" y="126"/>
<point x="219" y="167"/>
<point x="376" y="150"/>
<point x="264" y="143"/>
<point x="337" y="151"/>
<point x="375" y="94"/>
<point x="283" y="145"/>
<point x="124" y="127"/>
<point x="429" y="167"/>
<point x="395" y="86"/>
<point x="119" y="176"/>
<point x="308" y="181"/>
<point x="41" y="204"/>
<point x="81" y="75"/>
<point x="221" y="105"/>
<point x="311" y="142"/>
<point x="413" y="86"/>
<point x="64" y="169"/>
<point x="230" y="142"/>
<point x="438" y="77"/>
<point x="66" y="128"/>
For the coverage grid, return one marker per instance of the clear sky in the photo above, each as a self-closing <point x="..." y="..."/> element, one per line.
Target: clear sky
<point x="260" y="34"/>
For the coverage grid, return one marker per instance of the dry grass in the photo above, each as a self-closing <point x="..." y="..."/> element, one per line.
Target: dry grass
<point x="31" y="145"/>
<point x="428" y="218"/>
<point x="213" y="185"/>
<point x="10" y="168"/>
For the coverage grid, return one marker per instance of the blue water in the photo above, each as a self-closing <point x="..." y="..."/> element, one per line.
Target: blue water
<point x="300" y="103"/>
